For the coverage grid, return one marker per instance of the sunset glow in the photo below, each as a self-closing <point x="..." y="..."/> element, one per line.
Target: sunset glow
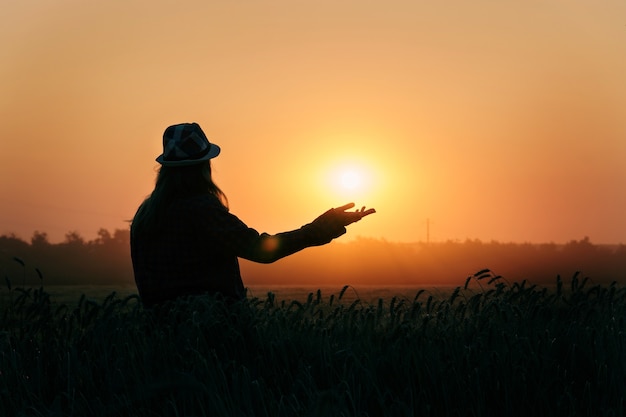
<point x="495" y="120"/>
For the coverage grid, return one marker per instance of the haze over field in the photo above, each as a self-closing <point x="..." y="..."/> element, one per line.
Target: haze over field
<point x="370" y="262"/>
<point x="495" y="120"/>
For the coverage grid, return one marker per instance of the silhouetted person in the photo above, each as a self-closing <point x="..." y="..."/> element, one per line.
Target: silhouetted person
<point x="184" y="241"/>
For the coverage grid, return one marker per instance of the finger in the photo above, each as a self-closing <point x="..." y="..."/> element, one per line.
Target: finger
<point x="364" y="213"/>
<point x="368" y="212"/>
<point x="345" y="207"/>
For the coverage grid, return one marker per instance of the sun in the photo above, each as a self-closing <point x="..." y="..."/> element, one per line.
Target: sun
<point x="345" y="176"/>
<point x="350" y="179"/>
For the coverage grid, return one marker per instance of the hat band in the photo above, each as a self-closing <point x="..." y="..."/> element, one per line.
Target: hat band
<point x="199" y="155"/>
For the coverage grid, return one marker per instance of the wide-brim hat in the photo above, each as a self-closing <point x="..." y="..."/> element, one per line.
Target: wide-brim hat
<point x="186" y="144"/>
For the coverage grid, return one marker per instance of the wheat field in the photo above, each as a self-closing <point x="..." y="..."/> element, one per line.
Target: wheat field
<point x="489" y="347"/>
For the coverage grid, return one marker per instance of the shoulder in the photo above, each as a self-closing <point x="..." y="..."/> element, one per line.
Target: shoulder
<point x="207" y="209"/>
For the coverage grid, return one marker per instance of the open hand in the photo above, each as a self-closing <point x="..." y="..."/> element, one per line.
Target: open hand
<point x="347" y="217"/>
<point x="333" y="222"/>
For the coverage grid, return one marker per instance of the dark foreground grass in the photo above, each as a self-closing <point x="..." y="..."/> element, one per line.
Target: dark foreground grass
<point x="506" y="350"/>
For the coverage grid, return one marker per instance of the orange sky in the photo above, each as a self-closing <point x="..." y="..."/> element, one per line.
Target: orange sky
<point x="493" y="119"/>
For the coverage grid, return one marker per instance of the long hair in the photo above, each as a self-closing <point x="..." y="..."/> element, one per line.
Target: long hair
<point x="173" y="183"/>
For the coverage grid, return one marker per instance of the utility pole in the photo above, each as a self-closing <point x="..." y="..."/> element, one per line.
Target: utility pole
<point x="428" y="231"/>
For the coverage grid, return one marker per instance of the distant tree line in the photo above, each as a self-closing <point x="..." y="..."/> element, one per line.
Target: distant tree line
<point x="103" y="260"/>
<point x="376" y="262"/>
<point x="364" y="261"/>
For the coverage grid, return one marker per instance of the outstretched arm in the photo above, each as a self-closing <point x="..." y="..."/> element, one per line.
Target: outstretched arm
<point x="328" y="226"/>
